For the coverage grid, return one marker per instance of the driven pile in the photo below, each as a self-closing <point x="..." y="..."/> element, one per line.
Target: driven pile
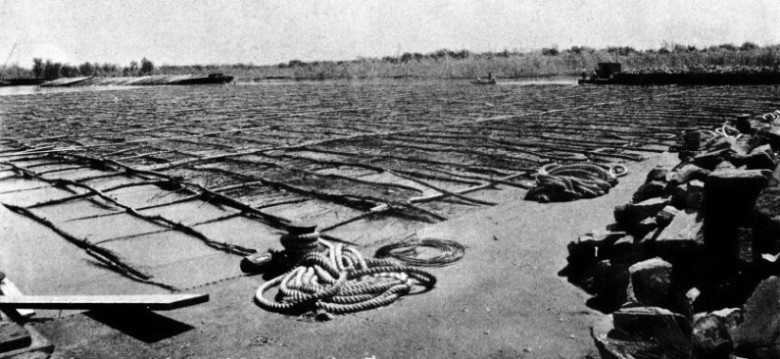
<point x="688" y="269"/>
<point x="337" y="280"/>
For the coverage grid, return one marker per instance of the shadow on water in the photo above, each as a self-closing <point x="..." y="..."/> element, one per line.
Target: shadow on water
<point x="143" y="325"/>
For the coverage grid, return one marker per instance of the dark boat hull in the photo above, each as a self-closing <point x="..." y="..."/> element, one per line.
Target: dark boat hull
<point x="20" y="82"/>
<point x="204" y="80"/>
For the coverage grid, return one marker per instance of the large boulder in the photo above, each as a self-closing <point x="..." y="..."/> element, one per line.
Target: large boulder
<point x="713" y="333"/>
<point x="643" y="332"/>
<point x="759" y="335"/>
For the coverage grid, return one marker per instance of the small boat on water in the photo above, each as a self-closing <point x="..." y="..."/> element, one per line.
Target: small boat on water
<point x="480" y="81"/>
<point x="203" y="80"/>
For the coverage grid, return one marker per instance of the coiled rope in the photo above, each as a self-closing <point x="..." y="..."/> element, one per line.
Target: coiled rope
<point x="555" y="182"/>
<point x="771" y="116"/>
<point x="728" y="132"/>
<point x="339" y="280"/>
<point x="408" y="252"/>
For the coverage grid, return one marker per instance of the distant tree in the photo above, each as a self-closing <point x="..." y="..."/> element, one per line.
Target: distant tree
<point x="390" y="59"/>
<point x="747" y="46"/>
<point x="550" y="51"/>
<point x="86" y="69"/>
<point x="69" y="71"/>
<point x="51" y="70"/>
<point x="147" y="67"/>
<point x="109" y="69"/>
<point x="38" y="67"/>
<point x="681" y="48"/>
<point x="462" y="54"/>
<point x="728" y="47"/>
<point x="295" y="63"/>
<point x="133" y="69"/>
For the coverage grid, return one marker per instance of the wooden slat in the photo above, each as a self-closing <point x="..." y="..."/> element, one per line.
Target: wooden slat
<point x="150" y="302"/>
<point x="9" y="289"/>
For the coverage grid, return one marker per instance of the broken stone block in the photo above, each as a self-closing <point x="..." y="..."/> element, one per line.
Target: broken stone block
<point x="651" y="189"/>
<point x="759" y="334"/>
<point x="633" y="213"/>
<point x="650" y="320"/>
<point x="681" y="238"/>
<point x="688" y="195"/>
<point x="710" y="160"/>
<point x="760" y="158"/>
<point x="687" y="173"/>
<point x="695" y="194"/>
<point x="666" y="215"/>
<point x="765" y="159"/>
<point x="713" y="333"/>
<point x="654" y="342"/>
<point x="650" y="282"/>
<point x="657" y="174"/>
<point x="725" y="165"/>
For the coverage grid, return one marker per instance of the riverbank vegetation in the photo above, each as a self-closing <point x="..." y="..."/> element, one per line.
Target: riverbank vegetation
<point x="448" y="64"/>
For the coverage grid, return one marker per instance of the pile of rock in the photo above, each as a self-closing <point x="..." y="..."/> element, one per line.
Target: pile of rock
<point x="688" y="268"/>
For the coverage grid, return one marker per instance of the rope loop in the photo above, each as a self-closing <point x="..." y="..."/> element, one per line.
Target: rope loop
<point x="339" y="280"/>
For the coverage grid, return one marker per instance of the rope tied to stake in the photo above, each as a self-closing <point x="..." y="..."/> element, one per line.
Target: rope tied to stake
<point x="558" y="183"/>
<point x="339" y="280"/>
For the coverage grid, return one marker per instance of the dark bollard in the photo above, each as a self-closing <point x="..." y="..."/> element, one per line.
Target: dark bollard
<point x="301" y="238"/>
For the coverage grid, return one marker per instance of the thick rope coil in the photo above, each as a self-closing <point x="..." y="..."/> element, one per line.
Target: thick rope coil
<point x="340" y="281"/>
<point x="556" y="182"/>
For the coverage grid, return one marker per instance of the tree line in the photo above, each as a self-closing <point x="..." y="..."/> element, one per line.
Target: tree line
<point x="50" y="70"/>
<point x="445" y="54"/>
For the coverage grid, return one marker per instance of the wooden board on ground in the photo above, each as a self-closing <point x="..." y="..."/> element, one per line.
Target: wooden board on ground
<point x="150" y="302"/>
<point x="9" y="289"/>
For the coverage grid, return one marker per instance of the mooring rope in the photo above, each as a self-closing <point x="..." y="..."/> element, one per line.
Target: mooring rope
<point x="555" y="182"/>
<point x="407" y="252"/>
<point x="338" y="280"/>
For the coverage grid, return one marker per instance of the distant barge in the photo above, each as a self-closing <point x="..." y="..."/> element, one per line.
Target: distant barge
<point x="140" y="81"/>
<point x="609" y="73"/>
<point x="20" y="82"/>
<point x="604" y="74"/>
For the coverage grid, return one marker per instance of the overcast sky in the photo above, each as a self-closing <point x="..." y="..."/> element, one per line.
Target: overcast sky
<point x="268" y="32"/>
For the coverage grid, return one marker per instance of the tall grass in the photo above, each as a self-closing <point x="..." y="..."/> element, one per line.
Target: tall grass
<point x="446" y="64"/>
<point x="503" y="64"/>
